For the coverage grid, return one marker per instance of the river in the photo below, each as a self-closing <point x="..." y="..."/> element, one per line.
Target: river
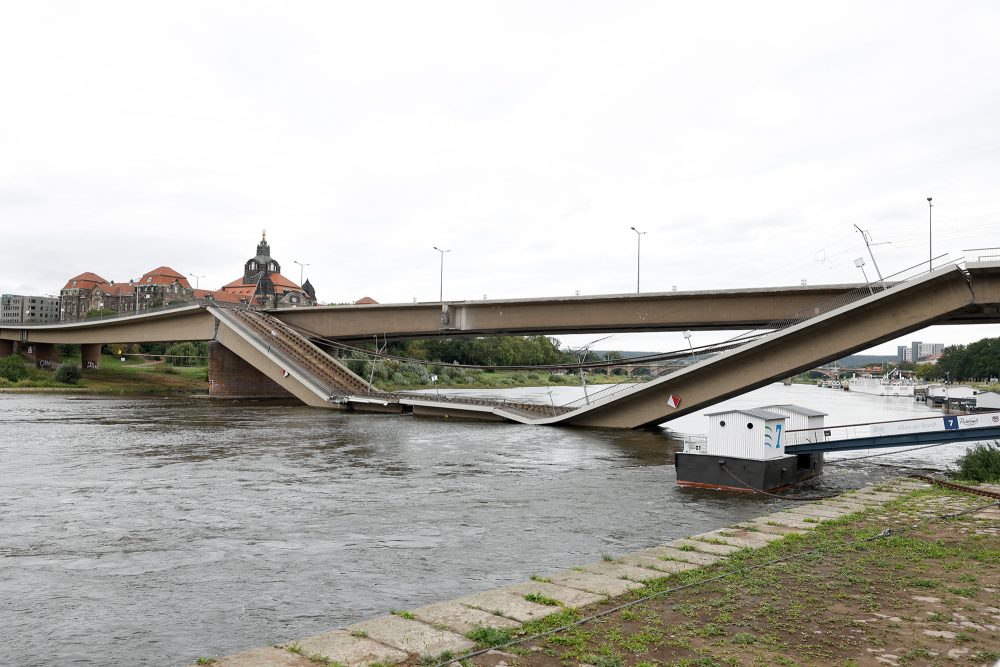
<point x="157" y="530"/>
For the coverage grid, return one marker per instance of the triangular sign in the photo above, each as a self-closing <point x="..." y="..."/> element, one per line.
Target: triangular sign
<point x="674" y="401"/>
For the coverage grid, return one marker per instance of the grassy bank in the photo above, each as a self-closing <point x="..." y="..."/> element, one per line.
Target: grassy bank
<point x="114" y="377"/>
<point x="505" y="379"/>
<point x="846" y="593"/>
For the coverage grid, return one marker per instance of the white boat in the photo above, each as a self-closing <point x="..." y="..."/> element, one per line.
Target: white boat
<point x="893" y="383"/>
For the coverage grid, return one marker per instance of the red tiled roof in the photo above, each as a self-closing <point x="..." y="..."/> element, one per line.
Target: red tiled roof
<point x="218" y="295"/>
<point x="365" y="301"/>
<point x="85" y="281"/>
<point x="119" y="289"/>
<point x="163" y="275"/>
<point x="281" y="285"/>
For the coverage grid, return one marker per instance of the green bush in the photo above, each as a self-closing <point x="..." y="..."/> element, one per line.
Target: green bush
<point x="12" y="368"/>
<point x="980" y="464"/>
<point x="68" y="374"/>
<point x="557" y="379"/>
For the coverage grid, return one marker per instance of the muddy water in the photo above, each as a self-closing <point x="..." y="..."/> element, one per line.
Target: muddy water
<point x="153" y="531"/>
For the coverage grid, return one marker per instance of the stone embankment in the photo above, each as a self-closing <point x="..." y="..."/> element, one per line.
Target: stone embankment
<point x="441" y="632"/>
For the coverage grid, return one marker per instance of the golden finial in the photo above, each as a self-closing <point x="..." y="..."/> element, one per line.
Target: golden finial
<point x="263" y="235"/>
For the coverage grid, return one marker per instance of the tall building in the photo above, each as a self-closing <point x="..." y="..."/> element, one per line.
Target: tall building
<point x="920" y="350"/>
<point x="89" y="292"/>
<point x="262" y="284"/>
<point x="20" y="309"/>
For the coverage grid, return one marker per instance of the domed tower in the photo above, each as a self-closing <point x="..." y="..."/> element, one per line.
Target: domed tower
<point x="309" y="290"/>
<point x="261" y="264"/>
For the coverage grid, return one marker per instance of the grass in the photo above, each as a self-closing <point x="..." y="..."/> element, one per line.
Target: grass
<point x="403" y="614"/>
<point x="538" y="598"/>
<point x="842" y="578"/>
<point x="114" y="377"/>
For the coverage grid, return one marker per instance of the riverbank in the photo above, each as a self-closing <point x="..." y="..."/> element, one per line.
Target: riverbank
<point x="897" y="574"/>
<point x="154" y="378"/>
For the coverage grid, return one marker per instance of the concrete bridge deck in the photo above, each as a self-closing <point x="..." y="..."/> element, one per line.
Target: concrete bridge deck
<point x="942" y="296"/>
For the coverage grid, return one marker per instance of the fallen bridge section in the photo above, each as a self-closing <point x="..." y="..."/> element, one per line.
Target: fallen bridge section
<point x="899" y="310"/>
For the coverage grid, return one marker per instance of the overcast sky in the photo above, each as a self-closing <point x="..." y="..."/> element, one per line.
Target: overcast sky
<point x="746" y="139"/>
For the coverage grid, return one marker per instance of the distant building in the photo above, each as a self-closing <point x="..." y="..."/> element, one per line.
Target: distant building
<point x="903" y="354"/>
<point x="262" y="284"/>
<point x="920" y="351"/>
<point x="19" y="309"/>
<point x="89" y="292"/>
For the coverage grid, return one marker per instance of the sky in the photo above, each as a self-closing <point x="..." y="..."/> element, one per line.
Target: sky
<point x="745" y="140"/>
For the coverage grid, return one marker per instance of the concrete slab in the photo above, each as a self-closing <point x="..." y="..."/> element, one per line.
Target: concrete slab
<point x="621" y="571"/>
<point x="664" y="567"/>
<point x="460" y="618"/>
<point x="762" y="527"/>
<point x="340" y="646"/>
<point x="741" y="541"/>
<point x="706" y="547"/>
<point x="412" y="636"/>
<point x="505" y="603"/>
<point x="791" y="520"/>
<point x="265" y="657"/>
<point x="695" y="557"/>
<point x="844" y="505"/>
<point x="827" y="514"/>
<point x="569" y="597"/>
<point x="593" y="583"/>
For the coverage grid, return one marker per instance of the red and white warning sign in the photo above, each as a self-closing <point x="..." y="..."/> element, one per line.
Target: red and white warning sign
<point x="284" y="373"/>
<point x="674" y="401"/>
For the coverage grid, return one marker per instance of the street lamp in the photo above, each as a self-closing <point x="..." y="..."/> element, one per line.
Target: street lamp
<point x="197" y="281"/>
<point x="301" y="267"/>
<point x="860" y="263"/>
<point x="638" y="254"/>
<point x="441" y="284"/>
<point x="930" y="234"/>
<point x="687" y="335"/>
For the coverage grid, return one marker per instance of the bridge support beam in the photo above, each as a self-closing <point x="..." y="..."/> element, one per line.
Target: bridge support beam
<point x="229" y="376"/>
<point x="90" y="355"/>
<point x="6" y="348"/>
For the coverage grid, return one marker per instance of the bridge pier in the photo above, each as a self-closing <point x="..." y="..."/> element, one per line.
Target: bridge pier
<point x="42" y="353"/>
<point x="90" y="355"/>
<point x="6" y="348"/>
<point x="229" y="376"/>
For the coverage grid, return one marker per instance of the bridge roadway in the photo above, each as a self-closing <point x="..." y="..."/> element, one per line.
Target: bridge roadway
<point x="739" y="309"/>
<point x="948" y="295"/>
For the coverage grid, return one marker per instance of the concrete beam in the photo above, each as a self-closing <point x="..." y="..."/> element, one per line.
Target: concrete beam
<point x="868" y="322"/>
<point x="178" y="324"/>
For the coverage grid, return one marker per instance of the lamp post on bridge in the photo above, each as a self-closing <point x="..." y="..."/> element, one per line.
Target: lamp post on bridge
<point x="930" y="234"/>
<point x="197" y="281"/>
<point x="441" y="283"/>
<point x="301" y="267"/>
<point x="860" y="263"/>
<point x="638" y="255"/>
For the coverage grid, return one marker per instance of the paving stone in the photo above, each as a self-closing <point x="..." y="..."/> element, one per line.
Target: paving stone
<point x="820" y="513"/>
<point x="412" y="636"/>
<point x="505" y="603"/>
<point x="696" y="557"/>
<point x="741" y="541"/>
<point x="340" y="646"/>
<point x="621" y="571"/>
<point x="793" y="520"/>
<point x="706" y="547"/>
<point x="460" y="618"/>
<point x="843" y="504"/>
<point x="593" y="583"/>
<point x="570" y="597"/>
<point x="774" y="530"/>
<point x="664" y="567"/>
<point x="264" y="657"/>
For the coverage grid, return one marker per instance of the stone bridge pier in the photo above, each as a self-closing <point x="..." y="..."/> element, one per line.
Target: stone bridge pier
<point x="6" y="348"/>
<point x="229" y="376"/>
<point x="90" y="355"/>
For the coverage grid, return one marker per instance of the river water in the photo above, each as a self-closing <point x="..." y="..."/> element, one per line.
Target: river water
<point x="157" y="530"/>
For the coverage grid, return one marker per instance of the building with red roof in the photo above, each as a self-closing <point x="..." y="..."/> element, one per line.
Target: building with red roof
<point x="263" y="285"/>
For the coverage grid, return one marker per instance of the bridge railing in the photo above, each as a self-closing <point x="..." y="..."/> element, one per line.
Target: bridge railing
<point x="982" y="255"/>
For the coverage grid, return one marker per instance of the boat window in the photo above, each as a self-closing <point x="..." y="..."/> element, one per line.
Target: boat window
<point x="749" y="424"/>
<point x="722" y="423"/>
